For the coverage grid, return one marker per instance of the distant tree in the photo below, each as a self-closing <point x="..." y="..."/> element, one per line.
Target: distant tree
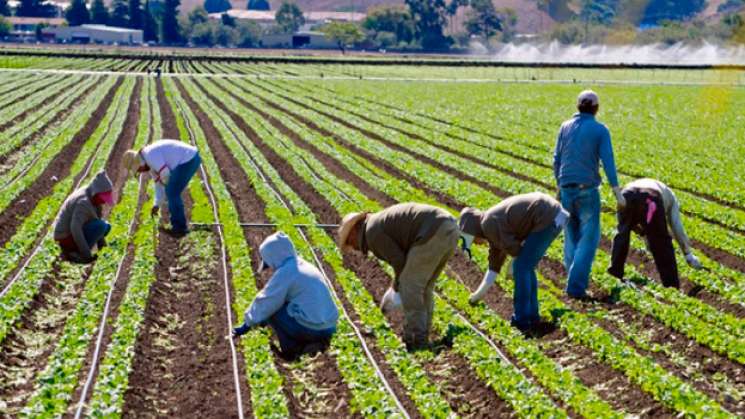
<point x="171" y="32"/>
<point x="731" y="6"/>
<point x="119" y="13"/>
<point x="216" y="6"/>
<point x="483" y="19"/>
<point x="99" y="13"/>
<point x="5" y="27"/>
<point x="135" y="14"/>
<point x="149" y="24"/>
<point x="202" y="34"/>
<point x="4" y="8"/>
<point x="249" y="34"/>
<point x="77" y="14"/>
<point x="258" y="5"/>
<point x="198" y="15"/>
<point x="289" y="17"/>
<point x="390" y="21"/>
<point x="659" y="10"/>
<point x="430" y="17"/>
<point x="345" y="34"/>
<point x="227" y="20"/>
<point x="226" y="36"/>
<point x="599" y="11"/>
<point x="35" y="8"/>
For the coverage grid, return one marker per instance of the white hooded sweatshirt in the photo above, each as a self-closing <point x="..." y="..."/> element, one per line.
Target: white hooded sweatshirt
<point x="296" y="283"/>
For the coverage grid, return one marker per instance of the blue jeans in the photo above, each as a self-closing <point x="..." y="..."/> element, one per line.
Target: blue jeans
<point x="94" y="231"/>
<point x="292" y="335"/>
<point x="582" y="236"/>
<point x="180" y="177"/>
<point x="525" y="298"/>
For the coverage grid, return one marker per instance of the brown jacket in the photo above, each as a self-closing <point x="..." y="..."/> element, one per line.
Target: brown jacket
<point x="390" y="233"/>
<point x="77" y="210"/>
<point x="506" y="225"/>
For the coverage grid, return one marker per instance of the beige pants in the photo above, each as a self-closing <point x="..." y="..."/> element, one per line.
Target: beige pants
<point x="417" y="282"/>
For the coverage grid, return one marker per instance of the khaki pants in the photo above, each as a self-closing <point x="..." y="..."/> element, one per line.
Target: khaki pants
<point x="417" y="282"/>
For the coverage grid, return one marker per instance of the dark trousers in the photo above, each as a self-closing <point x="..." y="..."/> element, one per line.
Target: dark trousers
<point x="293" y="336"/>
<point x="635" y="216"/>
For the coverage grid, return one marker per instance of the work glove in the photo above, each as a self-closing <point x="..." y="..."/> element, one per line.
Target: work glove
<point x="154" y="211"/>
<point x="391" y="301"/>
<point x="240" y="331"/>
<point x="693" y="261"/>
<point x="620" y="199"/>
<point x="101" y="244"/>
<point x="486" y="283"/>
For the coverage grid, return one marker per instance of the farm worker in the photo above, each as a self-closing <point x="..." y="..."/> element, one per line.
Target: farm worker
<point x="522" y="226"/>
<point x="416" y="240"/>
<point x="650" y="207"/>
<point x="79" y="227"/>
<point x="296" y="302"/>
<point x="171" y="164"/>
<point x="581" y="145"/>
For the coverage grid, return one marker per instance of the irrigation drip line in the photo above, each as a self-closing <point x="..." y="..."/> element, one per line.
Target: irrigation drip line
<point x="38" y="247"/>
<point x="223" y="261"/>
<point x="104" y="316"/>
<point x="356" y="329"/>
<point x="266" y="225"/>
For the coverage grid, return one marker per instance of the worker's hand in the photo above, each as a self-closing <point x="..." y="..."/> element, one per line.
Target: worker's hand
<point x="391" y="301"/>
<point x="620" y="199"/>
<point x="693" y="261"/>
<point x="486" y="283"/>
<point x="154" y="211"/>
<point x="240" y="331"/>
<point x="88" y="259"/>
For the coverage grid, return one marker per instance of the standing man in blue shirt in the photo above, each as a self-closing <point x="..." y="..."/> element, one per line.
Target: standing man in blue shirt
<point x="581" y="145"/>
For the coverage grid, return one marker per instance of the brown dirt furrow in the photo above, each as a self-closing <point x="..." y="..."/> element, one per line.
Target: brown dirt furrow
<point x="708" y="371"/>
<point x="168" y="119"/>
<point x="369" y="271"/>
<point x="29" y="345"/>
<point x="118" y="176"/>
<point x="181" y="366"/>
<point x="335" y="397"/>
<point x="25" y="113"/>
<point x="58" y="168"/>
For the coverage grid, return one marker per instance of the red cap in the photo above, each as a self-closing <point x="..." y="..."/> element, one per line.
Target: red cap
<point x="106" y="197"/>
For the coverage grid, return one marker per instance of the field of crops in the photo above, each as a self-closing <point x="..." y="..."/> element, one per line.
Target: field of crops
<point x="141" y="332"/>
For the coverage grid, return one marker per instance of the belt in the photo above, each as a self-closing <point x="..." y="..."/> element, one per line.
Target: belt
<point x="577" y="186"/>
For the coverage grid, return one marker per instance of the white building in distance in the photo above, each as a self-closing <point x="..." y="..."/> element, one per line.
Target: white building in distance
<point x="97" y="34"/>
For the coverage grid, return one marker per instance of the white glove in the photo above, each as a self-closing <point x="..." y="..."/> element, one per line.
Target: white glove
<point x="693" y="261"/>
<point x="620" y="200"/>
<point x="391" y="301"/>
<point x="486" y="283"/>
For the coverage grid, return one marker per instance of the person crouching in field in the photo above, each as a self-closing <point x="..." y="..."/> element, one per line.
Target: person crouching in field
<point x="79" y="227"/>
<point x="171" y="164"/>
<point x="417" y="241"/>
<point x="522" y="226"/>
<point x="296" y="302"/>
<point x="650" y="207"/>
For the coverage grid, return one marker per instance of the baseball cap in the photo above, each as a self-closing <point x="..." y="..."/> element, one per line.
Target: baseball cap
<point x="588" y="97"/>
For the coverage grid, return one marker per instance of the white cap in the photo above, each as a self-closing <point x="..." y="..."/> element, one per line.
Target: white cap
<point x="588" y="97"/>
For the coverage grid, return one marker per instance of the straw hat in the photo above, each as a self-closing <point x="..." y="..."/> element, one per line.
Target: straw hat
<point x="347" y="224"/>
<point x="131" y="161"/>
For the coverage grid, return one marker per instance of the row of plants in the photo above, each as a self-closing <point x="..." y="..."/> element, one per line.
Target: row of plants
<point x="733" y="347"/>
<point x="37" y="268"/>
<point x="369" y="395"/>
<point x="38" y="85"/>
<point x="34" y="123"/>
<point x="336" y="190"/>
<point x="56" y="384"/>
<point x="623" y="357"/>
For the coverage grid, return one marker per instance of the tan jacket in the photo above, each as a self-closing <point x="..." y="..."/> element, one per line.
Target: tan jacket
<point x="392" y="232"/>
<point x="78" y="209"/>
<point x="506" y="225"/>
<point x="672" y="209"/>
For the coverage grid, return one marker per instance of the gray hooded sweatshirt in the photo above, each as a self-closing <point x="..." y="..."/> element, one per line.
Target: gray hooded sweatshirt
<point x="78" y="209"/>
<point x="296" y="283"/>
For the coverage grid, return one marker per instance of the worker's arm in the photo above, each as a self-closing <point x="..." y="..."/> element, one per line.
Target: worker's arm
<point x="80" y="216"/>
<point x="606" y="156"/>
<point x="557" y="155"/>
<point x="388" y="250"/>
<point x="268" y="301"/>
<point x="676" y="225"/>
<point x="497" y="256"/>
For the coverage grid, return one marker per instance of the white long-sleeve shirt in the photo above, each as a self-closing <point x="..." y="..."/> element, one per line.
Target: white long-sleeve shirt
<point x="162" y="157"/>
<point x="672" y="209"/>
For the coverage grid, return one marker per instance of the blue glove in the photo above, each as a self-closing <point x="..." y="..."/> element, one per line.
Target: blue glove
<point x="240" y="331"/>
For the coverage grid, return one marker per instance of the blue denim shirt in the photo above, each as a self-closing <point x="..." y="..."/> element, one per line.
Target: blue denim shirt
<point x="581" y="145"/>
